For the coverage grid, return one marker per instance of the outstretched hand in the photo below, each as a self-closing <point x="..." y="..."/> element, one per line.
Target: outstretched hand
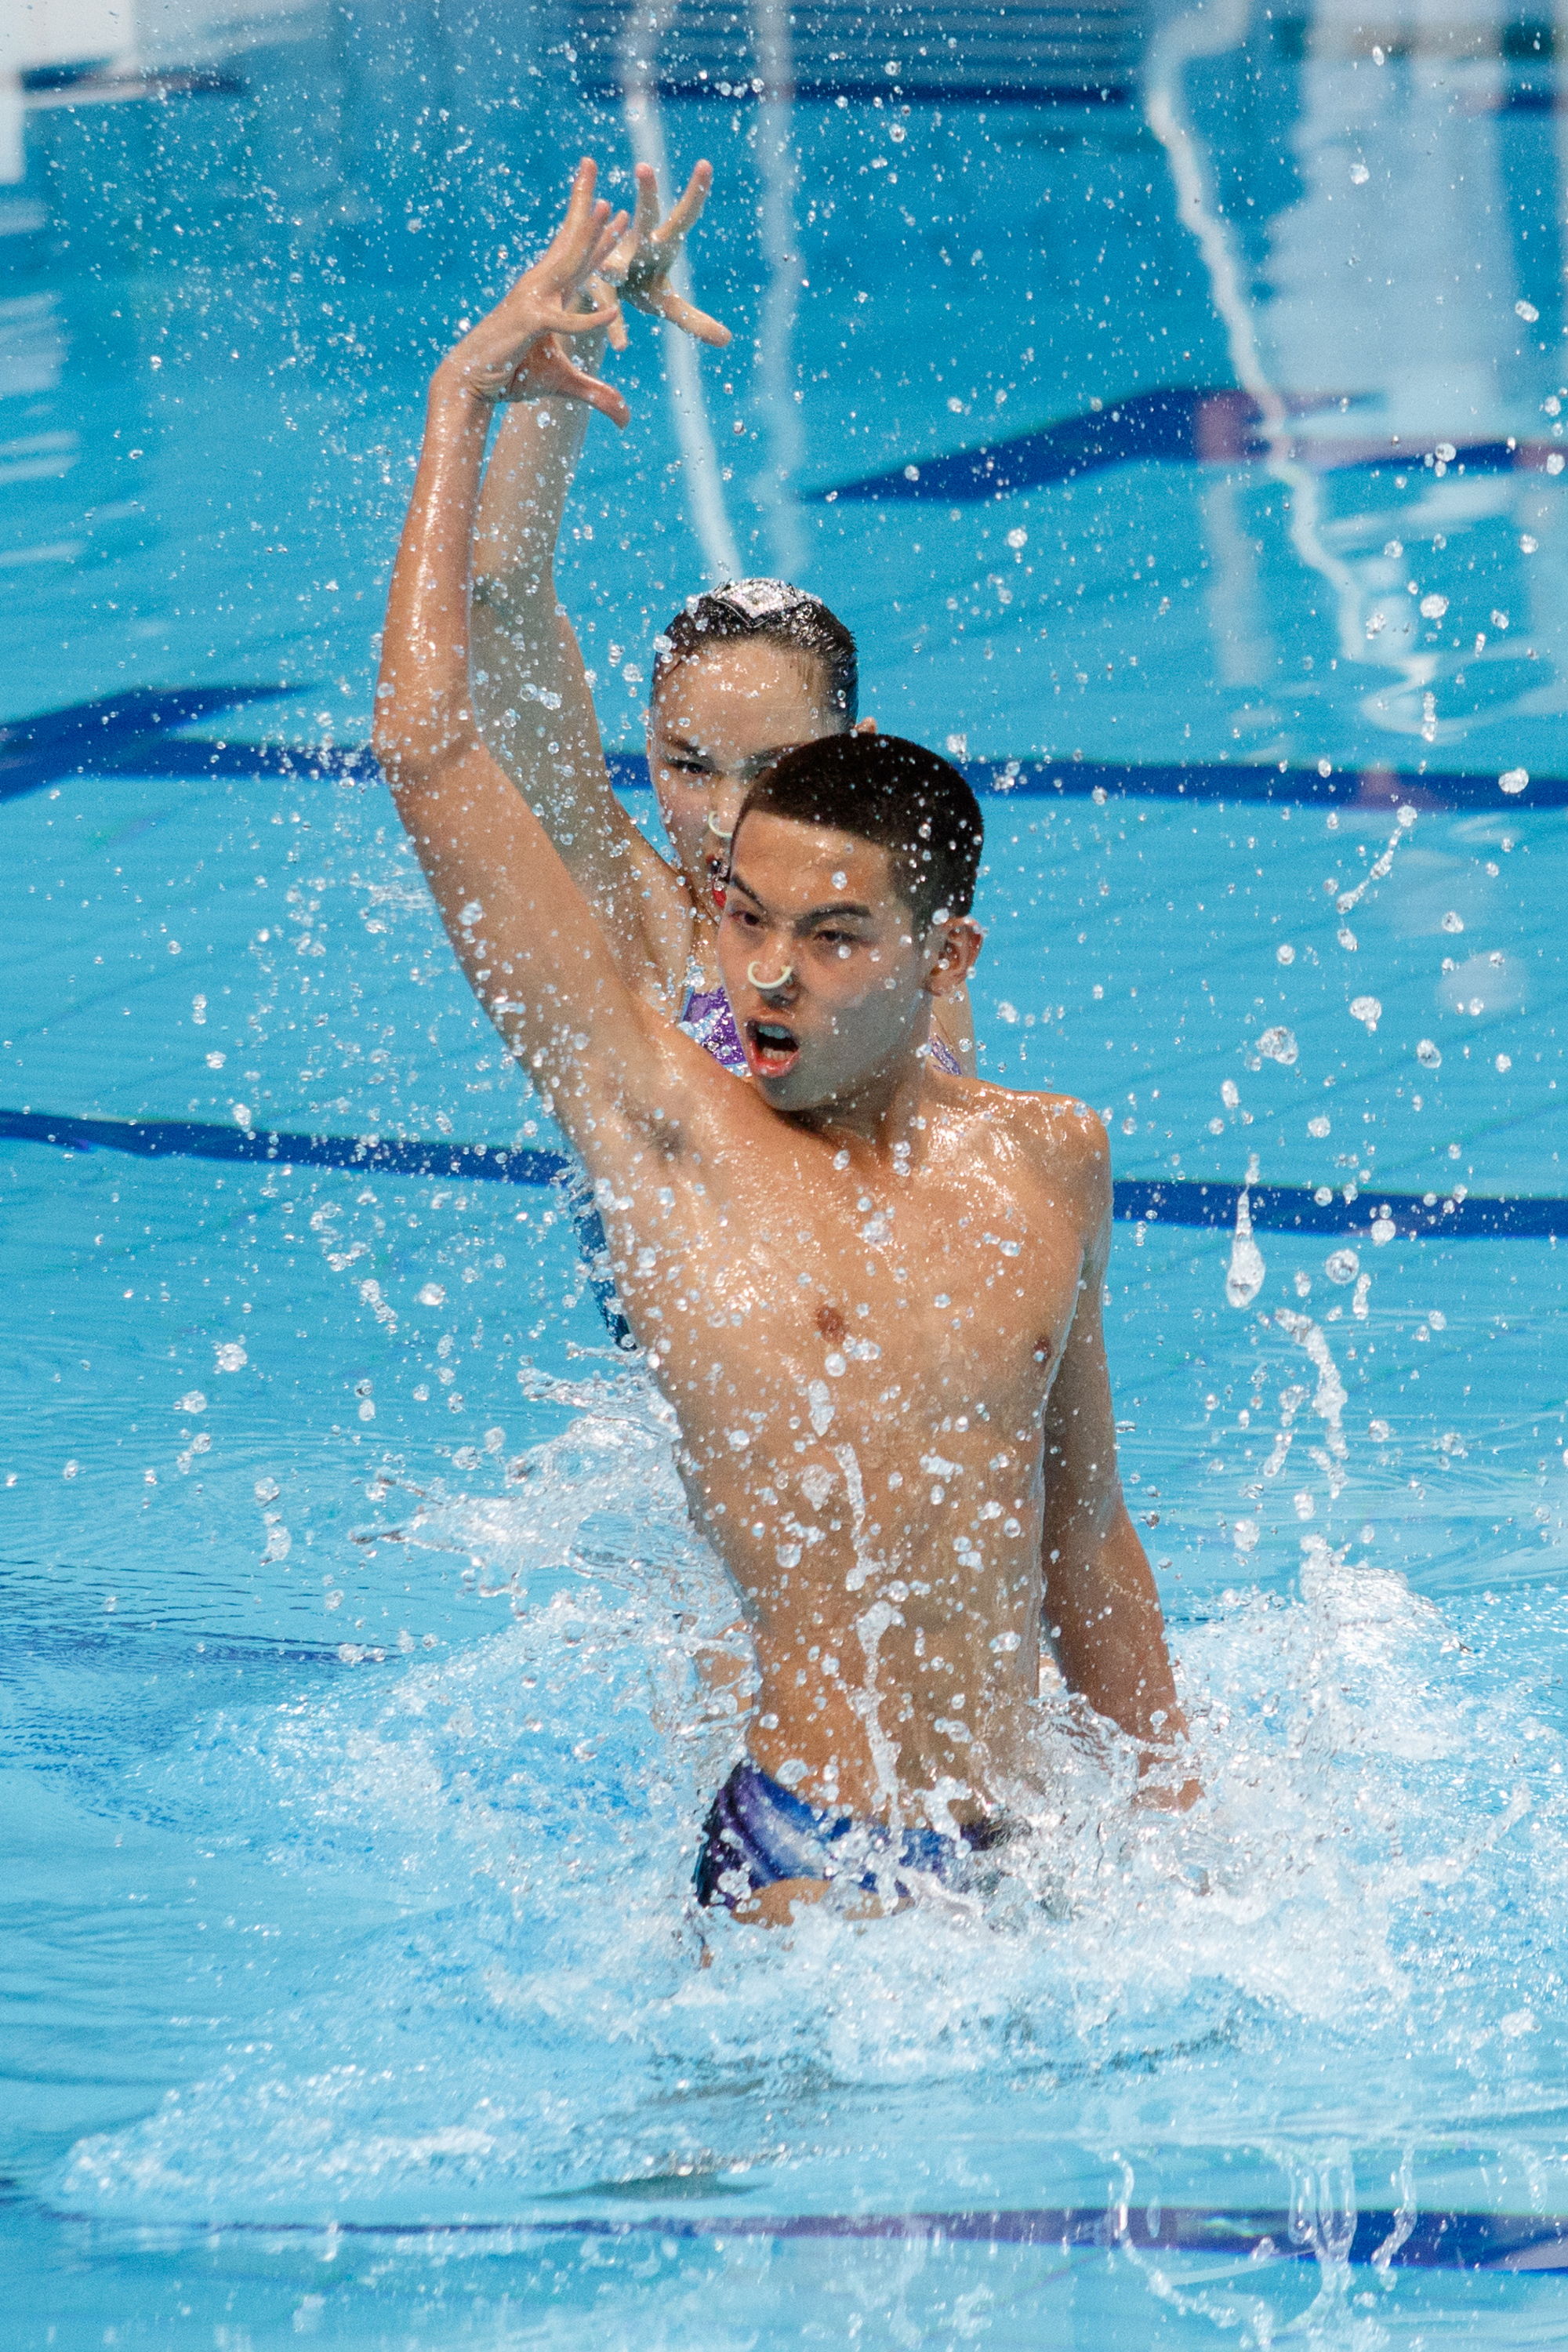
<point x="639" y="263"/>
<point x="516" y="352"/>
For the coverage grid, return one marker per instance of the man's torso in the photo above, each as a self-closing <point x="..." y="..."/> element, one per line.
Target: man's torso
<point x="859" y="1364"/>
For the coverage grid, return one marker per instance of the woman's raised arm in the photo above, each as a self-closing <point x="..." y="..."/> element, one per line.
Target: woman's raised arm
<point x="531" y="690"/>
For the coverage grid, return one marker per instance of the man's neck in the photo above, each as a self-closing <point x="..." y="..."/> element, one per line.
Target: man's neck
<point x="885" y="1113"/>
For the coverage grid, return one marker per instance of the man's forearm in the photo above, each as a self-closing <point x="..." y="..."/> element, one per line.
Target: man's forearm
<point x="1106" y="1624"/>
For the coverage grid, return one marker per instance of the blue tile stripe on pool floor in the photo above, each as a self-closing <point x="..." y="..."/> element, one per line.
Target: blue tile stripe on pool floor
<point x="1277" y="1208"/>
<point x="133" y="734"/>
<point x="1173" y="423"/>
<point x="1490" y="2242"/>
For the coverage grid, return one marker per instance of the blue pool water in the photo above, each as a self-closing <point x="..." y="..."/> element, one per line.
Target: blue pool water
<point x="356" y="1743"/>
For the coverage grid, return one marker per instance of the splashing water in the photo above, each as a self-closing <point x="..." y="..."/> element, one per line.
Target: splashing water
<point x="508" y="1836"/>
<point x="1244" y="1277"/>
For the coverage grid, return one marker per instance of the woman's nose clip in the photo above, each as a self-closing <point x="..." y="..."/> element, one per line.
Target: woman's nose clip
<point x="770" y="987"/>
<point x="720" y="832"/>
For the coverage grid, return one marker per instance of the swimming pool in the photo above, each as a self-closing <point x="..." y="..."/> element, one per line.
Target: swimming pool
<point x="356" y="1748"/>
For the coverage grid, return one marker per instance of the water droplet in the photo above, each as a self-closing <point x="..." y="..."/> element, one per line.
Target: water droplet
<point x="1429" y="1055"/>
<point x="192" y="1402"/>
<point x="1279" y="1044"/>
<point x="1513" y="780"/>
<point x="1243" y="1277"/>
<point x="230" y="1355"/>
<point x="432" y="1295"/>
<point x="1366" y="1009"/>
<point x="1342" y="1265"/>
<point x="1360" y="176"/>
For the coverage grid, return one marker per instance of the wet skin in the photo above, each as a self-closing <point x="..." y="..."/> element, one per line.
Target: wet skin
<point x="715" y="723"/>
<point x="872" y="1292"/>
<point x="860" y="1332"/>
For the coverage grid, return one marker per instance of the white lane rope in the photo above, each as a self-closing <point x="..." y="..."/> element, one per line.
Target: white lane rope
<point x="1208" y="32"/>
<point x="646" y="28"/>
<point x="776" y="329"/>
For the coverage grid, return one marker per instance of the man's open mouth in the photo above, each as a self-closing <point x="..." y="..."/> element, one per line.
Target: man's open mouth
<point x="771" y="1047"/>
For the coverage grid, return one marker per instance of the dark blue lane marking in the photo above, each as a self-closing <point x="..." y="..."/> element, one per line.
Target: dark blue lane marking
<point x="129" y="735"/>
<point x="1463" y="2241"/>
<point x="88" y="736"/>
<point x="1274" y="1208"/>
<point x="195" y="1139"/>
<point x="927" y="93"/>
<point x="1181" y="421"/>
<point x="1165" y="422"/>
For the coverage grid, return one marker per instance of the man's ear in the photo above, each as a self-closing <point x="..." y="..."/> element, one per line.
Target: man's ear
<point x="955" y="951"/>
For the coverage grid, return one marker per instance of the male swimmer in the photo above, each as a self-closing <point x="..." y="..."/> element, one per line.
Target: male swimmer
<point x="870" y="1289"/>
<point x="738" y="675"/>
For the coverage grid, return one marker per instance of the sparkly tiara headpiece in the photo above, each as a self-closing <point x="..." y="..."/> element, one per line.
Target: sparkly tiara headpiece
<point x="759" y="600"/>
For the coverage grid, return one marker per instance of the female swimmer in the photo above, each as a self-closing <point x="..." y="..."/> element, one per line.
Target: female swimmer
<point x="738" y="675"/>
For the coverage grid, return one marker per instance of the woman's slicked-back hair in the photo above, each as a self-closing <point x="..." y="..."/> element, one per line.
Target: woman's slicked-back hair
<point x="906" y="800"/>
<point x="777" y="615"/>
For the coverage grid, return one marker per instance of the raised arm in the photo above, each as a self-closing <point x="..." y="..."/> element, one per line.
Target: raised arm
<point x="534" y="954"/>
<point x="1101" y="1610"/>
<point x="530" y="689"/>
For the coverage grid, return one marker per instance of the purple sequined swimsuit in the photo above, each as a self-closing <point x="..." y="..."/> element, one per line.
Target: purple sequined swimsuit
<point x="707" y="1017"/>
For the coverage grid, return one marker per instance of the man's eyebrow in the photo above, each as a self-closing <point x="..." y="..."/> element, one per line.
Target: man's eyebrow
<point x="811" y="914"/>
<point x="685" y="744"/>
<point x="836" y="906"/>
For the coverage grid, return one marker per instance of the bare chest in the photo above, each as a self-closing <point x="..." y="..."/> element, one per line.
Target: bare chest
<point x="823" y="1306"/>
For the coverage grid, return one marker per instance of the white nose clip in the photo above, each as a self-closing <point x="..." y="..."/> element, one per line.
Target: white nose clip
<point x="718" y="831"/>
<point x="770" y="987"/>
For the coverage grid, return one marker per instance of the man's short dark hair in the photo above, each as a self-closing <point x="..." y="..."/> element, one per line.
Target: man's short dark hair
<point x="897" y="794"/>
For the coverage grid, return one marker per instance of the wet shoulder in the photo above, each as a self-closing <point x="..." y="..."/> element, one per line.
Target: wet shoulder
<point x="1061" y="1136"/>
